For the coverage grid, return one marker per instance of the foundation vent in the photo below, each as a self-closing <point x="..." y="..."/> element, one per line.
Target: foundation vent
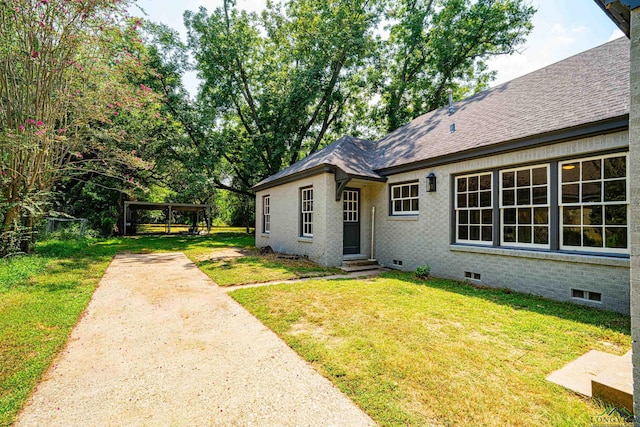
<point x="586" y="295"/>
<point x="469" y="275"/>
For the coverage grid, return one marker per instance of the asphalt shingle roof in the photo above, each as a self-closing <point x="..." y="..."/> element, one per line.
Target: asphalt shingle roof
<point x="589" y="87"/>
<point x="586" y="88"/>
<point x="354" y="156"/>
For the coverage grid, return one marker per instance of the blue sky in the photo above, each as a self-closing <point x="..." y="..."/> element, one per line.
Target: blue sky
<point x="561" y="28"/>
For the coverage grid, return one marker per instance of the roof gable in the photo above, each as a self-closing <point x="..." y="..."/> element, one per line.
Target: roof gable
<point x="354" y="156"/>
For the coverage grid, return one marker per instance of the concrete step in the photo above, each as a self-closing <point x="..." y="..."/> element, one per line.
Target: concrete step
<point x="360" y="267"/>
<point x="354" y="262"/>
<point x="601" y="375"/>
<point x="577" y="375"/>
<point x="615" y="383"/>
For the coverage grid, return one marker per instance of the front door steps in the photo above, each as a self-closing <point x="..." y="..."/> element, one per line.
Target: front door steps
<point x="358" y="262"/>
<point x="601" y="375"/>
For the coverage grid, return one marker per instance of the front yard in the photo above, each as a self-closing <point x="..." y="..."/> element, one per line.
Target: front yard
<point x="440" y="352"/>
<point x="408" y="352"/>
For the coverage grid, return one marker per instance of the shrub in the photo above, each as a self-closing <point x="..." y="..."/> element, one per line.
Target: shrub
<point x="423" y="271"/>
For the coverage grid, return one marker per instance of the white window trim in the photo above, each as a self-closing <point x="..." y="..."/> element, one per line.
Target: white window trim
<point x="548" y="206"/>
<point x="603" y="249"/>
<point x="392" y="199"/>
<point x="351" y="213"/>
<point x="456" y="208"/>
<point x="304" y="212"/>
<point x="266" y="214"/>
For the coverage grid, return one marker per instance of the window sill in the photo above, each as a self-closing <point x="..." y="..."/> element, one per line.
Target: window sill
<point x="265" y="235"/>
<point x="412" y="217"/>
<point x="305" y="239"/>
<point x="602" y="259"/>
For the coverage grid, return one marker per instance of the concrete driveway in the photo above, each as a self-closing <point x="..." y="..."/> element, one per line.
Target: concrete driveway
<point x="160" y="344"/>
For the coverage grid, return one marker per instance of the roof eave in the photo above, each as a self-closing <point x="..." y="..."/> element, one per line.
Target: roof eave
<point x="619" y="11"/>
<point x="324" y="168"/>
<point x="316" y="170"/>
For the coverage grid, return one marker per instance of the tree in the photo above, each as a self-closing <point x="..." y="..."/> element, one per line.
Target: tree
<point x="277" y="84"/>
<point x="438" y="45"/>
<point x="66" y="99"/>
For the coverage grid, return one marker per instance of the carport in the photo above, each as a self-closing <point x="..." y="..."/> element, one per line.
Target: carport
<point x="130" y="206"/>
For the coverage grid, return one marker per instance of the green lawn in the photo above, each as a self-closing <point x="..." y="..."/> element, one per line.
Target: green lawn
<point x="408" y="352"/>
<point x="257" y="269"/>
<point x="440" y="352"/>
<point x="42" y="297"/>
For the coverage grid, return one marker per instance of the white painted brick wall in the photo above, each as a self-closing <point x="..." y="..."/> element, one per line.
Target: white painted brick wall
<point x="425" y="238"/>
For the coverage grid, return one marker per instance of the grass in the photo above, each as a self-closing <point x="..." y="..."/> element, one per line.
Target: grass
<point x="440" y="352"/>
<point x="42" y="297"/>
<point x="257" y="269"/>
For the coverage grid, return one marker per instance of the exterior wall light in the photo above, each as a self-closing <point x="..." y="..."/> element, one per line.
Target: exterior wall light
<point x="431" y="183"/>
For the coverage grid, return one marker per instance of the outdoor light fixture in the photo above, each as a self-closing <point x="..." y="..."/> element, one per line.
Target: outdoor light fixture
<point x="431" y="183"/>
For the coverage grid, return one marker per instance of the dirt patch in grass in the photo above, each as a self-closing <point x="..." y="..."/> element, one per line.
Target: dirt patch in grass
<point x="225" y="254"/>
<point x="229" y="268"/>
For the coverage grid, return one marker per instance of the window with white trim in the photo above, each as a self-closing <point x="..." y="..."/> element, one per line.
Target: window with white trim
<point x="474" y="208"/>
<point x="404" y="199"/>
<point x="266" y="214"/>
<point x="524" y="206"/>
<point x="306" y="212"/>
<point x="594" y="204"/>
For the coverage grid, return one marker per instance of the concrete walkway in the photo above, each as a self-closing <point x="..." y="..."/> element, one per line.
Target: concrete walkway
<point x="160" y="344"/>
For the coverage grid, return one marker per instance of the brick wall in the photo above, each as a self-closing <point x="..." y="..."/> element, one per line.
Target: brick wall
<point x="425" y="238"/>
<point x="285" y="219"/>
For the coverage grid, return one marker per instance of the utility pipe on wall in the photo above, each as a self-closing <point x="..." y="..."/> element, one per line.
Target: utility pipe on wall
<point x="373" y="232"/>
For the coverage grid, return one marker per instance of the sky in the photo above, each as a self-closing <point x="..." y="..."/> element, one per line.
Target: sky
<point x="562" y="28"/>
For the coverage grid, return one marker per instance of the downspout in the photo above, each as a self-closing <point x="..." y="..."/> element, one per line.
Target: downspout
<point x="373" y="231"/>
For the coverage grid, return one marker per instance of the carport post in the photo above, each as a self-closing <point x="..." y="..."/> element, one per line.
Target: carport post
<point x="169" y="221"/>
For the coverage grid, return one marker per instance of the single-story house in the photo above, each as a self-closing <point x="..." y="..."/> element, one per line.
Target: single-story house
<point x="523" y="186"/>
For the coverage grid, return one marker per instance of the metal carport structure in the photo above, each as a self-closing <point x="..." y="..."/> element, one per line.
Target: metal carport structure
<point x="130" y="206"/>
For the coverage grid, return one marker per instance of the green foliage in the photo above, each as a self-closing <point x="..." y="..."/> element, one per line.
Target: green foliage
<point x="275" y="83"/>
<point x="71" y="109"/>
<point x="423" y="271"/>
<point x="434" y="46"/>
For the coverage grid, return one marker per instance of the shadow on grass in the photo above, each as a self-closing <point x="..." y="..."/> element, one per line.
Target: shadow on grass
<point x="520" y="301"/>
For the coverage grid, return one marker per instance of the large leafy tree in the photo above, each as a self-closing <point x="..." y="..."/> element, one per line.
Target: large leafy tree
<point x="277" y="85"/>
<point x="435" y="45"/>
<point x="280" y="85"/>
<point x="67" y="101"/>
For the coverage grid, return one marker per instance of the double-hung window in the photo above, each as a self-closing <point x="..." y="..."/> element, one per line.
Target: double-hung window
<point x="306" y="212"/>
<point x="524" y="206"/>
<point x="266" y="214"/>
<point x="474" y="208"/>
<point x="404" y="199"/>
<point x="593" y="203"/>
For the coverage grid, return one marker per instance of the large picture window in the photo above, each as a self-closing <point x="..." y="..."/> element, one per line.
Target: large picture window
<point x="306" y="211"/>
<point x="571" y="205"/>
<point x="474" y="208"/>
<point x="524" y="206"/>
<point x="266" y="214"/>
<point x="594" y="203"/>
<point x="404" y="199"/>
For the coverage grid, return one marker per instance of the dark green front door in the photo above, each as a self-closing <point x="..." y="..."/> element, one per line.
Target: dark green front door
<point x="351" y="221"/>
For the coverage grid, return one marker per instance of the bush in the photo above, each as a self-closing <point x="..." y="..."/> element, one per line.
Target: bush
<point x="423" y="271"/>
